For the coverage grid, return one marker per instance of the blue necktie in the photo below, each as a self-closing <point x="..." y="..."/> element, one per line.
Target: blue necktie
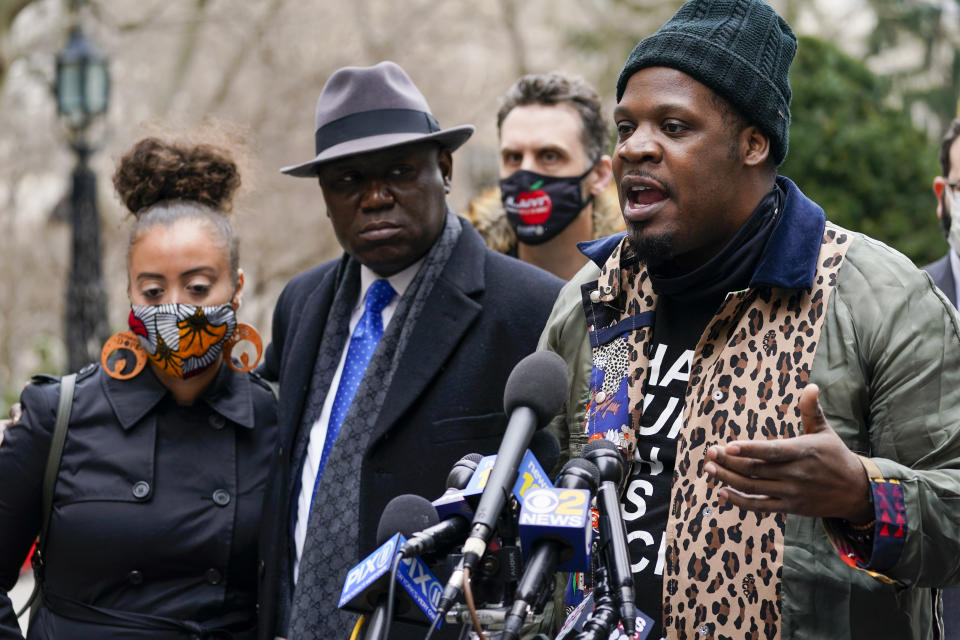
<point x="363" y="343"/>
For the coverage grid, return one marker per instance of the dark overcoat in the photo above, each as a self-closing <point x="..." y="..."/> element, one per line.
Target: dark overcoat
<point x="942" y="276"/>
<point x="483" y="315"/>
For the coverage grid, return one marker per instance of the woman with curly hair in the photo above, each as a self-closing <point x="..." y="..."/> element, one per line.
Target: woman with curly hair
<point x="152" y="531"/>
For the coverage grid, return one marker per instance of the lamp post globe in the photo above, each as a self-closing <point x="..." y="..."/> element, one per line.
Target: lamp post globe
<point x="82" y="82"/>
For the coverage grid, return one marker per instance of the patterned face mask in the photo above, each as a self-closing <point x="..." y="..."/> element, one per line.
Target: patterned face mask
<point x="182" y="339"/>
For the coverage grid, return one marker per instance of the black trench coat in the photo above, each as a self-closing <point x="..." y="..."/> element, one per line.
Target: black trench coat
<point x="155" y="517"/>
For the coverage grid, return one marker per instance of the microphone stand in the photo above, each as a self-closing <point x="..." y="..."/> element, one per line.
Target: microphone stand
<point x="605" y="615"/>
<point x="375" y="625"/>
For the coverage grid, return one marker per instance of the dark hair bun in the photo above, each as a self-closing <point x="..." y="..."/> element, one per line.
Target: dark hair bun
<point x="155" y="171"/>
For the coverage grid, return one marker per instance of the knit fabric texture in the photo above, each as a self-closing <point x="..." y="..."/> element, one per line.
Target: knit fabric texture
<point x="739" y="48"/>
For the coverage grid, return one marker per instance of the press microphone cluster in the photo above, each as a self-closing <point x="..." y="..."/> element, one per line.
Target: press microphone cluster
<point x="453" y="528"/>
<point x="502" y="522"/>
<point x="534" y="394"/>
<point x="369" y="585"/>
<point x="565" y="531"/>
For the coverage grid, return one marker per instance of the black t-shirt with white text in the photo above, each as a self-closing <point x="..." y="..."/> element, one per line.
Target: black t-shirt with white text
<point x="685" y="306"/>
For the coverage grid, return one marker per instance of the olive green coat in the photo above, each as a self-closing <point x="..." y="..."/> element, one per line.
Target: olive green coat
<point x="888" y="365"/>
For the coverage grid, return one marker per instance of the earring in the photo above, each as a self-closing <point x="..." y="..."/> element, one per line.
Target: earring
<point x="244" y="333"/>
<point x="125" y="342"/>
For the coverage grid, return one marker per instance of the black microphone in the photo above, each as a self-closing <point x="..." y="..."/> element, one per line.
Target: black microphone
<point x="454" y="527"/>
<point x="613" y="532"/>
<point x="546" y="554"/>
<point x="368" y="584"/>
<point x="534" y="394"/>
<point x="546" y="448"/>
<point x="462" y="471"/>
<point x="405" y="514"/>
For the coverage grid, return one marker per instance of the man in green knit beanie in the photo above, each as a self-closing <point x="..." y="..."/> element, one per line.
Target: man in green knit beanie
<point x="786" y="391"/>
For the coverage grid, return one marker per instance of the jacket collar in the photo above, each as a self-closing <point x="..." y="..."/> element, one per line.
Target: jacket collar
<point x="229" y="395"/>
<point x="789" y="260"/>
<point x="599" y="250"/>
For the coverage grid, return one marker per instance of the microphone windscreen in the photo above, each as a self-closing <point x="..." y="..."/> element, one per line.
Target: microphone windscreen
<point x="406" y="514"/>
<point x="608" y="458"/>
<point x="545" y="446"/>
<point x="463" y="470"/>
<point x="578" y="467"/>
<point x="538" y="382"/>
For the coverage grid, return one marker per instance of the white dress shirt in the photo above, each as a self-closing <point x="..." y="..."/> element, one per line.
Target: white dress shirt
<point x="318" y="432"/>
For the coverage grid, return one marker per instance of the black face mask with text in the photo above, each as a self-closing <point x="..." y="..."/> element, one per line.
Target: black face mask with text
<point x="539" y="207"/>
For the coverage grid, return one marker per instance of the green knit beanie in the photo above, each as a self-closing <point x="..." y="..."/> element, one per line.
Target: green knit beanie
<point x="739" y="48"/>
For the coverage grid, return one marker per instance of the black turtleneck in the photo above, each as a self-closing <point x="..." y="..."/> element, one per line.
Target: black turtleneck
<point x="686" y="304"/>
<point x="687" y="301"/>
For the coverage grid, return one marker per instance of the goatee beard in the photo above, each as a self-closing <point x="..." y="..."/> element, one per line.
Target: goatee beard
<point x="652" y="249"/>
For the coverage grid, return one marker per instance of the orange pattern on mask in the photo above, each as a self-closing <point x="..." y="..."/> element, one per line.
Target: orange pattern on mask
<point x="197" y="336"/>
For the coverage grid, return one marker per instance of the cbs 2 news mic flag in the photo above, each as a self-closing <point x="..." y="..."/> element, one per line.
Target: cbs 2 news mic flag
<point x="416" y="602"/>
<point x="560" y="514"/>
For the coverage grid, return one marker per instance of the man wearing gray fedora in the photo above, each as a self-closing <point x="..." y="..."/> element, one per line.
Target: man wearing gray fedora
<point x="392" y="358"/>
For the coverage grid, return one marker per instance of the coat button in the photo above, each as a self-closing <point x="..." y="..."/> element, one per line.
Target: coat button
<point x="718" y="395"/>
<point x="141" y="490"/>
<point x="213" y="576"/>
<point x="595" y="296"/>
<point x="135" y="577"/>
<point x="217" y="421"/>
<point x="601" y="396"/>
<point x="221" y="498"/>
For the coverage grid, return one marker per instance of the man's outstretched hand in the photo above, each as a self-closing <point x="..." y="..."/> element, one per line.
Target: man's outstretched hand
<point x="814" y="474"/>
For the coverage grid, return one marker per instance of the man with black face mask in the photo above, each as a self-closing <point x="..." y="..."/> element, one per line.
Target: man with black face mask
<point x="554" y="174"/>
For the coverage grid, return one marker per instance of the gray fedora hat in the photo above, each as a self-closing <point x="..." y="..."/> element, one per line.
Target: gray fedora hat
<point x="364" y="109"/>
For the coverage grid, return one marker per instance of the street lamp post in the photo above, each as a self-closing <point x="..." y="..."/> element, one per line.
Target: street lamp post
<point x="83" y="92"/>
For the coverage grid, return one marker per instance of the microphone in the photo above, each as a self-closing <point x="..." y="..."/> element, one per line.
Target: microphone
<point x="546" y="449"/>
<point x="367" y="585"/>
<point x="464" y="490"/>
<point x="405" y="514"/>
<point x="613" y="532"/>
<point x="454" y="526"/>
<point x="534" y="394"/>
<point x="462" y="471"/>
<point x="557" y="522"/>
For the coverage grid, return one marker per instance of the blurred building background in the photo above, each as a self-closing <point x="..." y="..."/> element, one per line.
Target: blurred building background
<point x="875" y="83"/>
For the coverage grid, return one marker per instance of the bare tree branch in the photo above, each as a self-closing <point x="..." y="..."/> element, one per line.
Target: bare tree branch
<point x="244" y="48"/>
<point x="9" y="10"/>
<point x="517" y="45"/>
<point x="185" y="53"/>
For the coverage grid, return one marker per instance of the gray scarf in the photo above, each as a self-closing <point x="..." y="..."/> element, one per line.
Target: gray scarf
<point x="331" y="547"/>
